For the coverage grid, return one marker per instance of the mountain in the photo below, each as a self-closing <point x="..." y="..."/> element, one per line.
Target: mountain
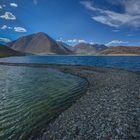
<point x="65" y="46"/>
<point x="88" y="49"/>
<point x="6" y="51"/>
<point x="121" y="50"/>
<point x="39" y="44"/>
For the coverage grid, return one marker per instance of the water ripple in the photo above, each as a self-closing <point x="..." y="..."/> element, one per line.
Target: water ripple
<point x="31" y="97"/>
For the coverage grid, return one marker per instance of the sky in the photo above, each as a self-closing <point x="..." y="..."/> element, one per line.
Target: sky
<point x="109" y="22"/>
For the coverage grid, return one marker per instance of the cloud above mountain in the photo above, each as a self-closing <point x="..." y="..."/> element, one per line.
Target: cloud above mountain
<point x="76" y="41"/>
<point x="20" y="29"/>
<point x="16" y="29"/>
<point x="116" y="42"/>
<point x="130" y="16"/>
<point x="73" y="41"/>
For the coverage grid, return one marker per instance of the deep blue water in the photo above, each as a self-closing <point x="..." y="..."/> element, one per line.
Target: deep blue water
<point x="125" y="62"/>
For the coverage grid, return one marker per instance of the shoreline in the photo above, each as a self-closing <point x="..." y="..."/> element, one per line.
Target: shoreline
<point x="109" y="110"/>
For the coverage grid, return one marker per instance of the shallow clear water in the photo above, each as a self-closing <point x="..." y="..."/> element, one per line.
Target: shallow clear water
<point x="125" y="62"/>
<point x="31" y="97"/>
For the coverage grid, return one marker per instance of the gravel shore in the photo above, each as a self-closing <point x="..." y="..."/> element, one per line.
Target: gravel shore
<point x="110" y="110"/>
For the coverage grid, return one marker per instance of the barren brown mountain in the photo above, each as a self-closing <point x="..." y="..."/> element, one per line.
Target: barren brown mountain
<point x="38" y="43"/>
<point x="88" y="49"/>
<point x="122" y="50"/>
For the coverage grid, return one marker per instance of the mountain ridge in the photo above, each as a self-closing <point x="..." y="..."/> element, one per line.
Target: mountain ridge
<point x="87" y="48"/>
<point x="42" y="44"/>
<point x="122" y="50"/>
<point x="37" y="43"/>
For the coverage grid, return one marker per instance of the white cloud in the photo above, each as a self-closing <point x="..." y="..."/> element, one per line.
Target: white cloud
<point x="9" y="27"/>
<point x="4" y="40"/>
<point x="88" y="5"/>
<point x="20" y="29"/>
<point x="76" y="41"/>
<point x="60" y="39"/>
<point x="131" y="16"/>
<point x="116" y="42"/>
<point x="0" y="6"/>
<point x="13" y="5"/>
<point x="4" y="27"/>
<point x="82" y="41"/>
<point x="131" y="6"/>
<point x="91" y="42"/>
<point x="105" y="20"/>
<point x="72" y="41"/>
<point x="8" y="16"/>
<point x="16" y="29"/>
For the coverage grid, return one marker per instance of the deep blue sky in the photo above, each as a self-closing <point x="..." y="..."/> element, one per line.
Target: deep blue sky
<point x="112" y="22"/>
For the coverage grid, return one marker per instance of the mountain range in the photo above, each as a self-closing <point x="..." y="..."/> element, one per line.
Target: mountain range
<point x="42" y="44"/>
<point x="88" y="49"/>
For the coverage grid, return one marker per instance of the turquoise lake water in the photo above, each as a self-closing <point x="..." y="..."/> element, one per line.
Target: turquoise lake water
<point x="31" y="97"/>
<point x="125" y="62"/>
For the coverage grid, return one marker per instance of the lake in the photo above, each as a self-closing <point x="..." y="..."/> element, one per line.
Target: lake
<point x="125" y="62"/>
<point x="31" y="97"/>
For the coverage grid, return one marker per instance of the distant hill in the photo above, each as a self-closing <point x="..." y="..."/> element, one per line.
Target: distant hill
<point x="121" y="50"/>
<point x="39" y="44"/>
<point x="6" y="51"/>
<point x="65" y="46"/>
<point x="88" y="49"/>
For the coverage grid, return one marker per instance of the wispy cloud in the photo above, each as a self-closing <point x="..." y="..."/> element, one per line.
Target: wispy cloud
<point x="20" y="29"/>
<point x="88" y="5"/>
<point x="131" y="16"/>
<point x="116" y="42"/>
<point x="6" y="40"/>
<point x="13" y="5"/>
<point x="8" y="16"/>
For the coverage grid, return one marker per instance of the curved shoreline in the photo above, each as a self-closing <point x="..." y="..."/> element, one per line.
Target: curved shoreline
<point x="109" y="110"/>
